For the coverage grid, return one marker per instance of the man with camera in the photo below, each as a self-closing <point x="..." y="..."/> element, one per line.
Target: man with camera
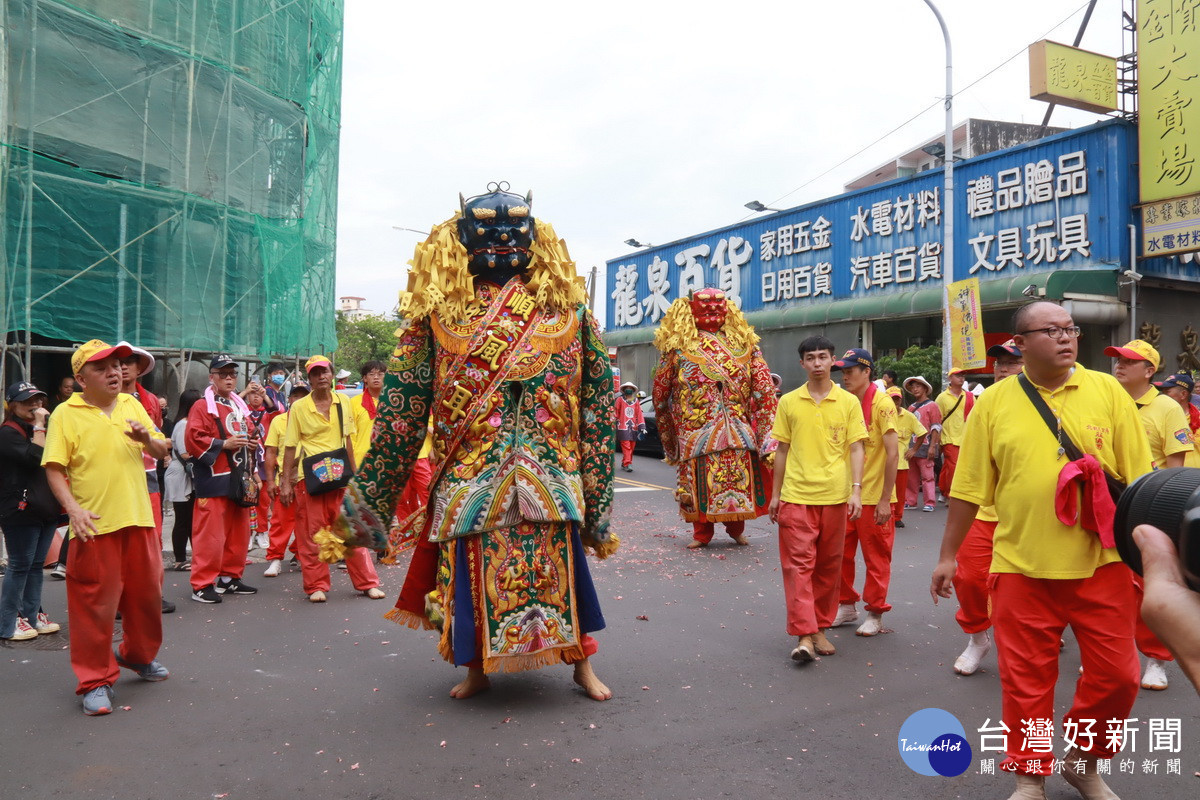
<point x="1047" y="574"/>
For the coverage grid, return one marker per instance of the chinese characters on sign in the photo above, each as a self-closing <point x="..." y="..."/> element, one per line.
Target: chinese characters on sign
<point x="966" y="325"/>
<point x="1033" y="185"/>
<point x="1041" y="207"/>
<point x="1072" y="77"/>
<point x="1161" y="735"/>
<point x="1168" y="98"/>
<point x="1171" y="226"/>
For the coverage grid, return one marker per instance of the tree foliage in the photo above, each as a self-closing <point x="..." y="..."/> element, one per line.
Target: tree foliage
<point x="362" y="340"/>
<point x="923" y="361"/>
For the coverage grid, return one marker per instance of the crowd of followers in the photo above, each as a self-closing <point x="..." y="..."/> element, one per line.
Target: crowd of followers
<point x="1021" y="554"/>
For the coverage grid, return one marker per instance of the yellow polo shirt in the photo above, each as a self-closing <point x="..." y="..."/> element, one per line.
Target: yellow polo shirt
<point x="1166" y="425"/>
<point x="275" y="437"/>
<point x="883" y="419"/>
<point x="363" y="427"/>
<point x="953" y="425"/>
<point x="818" y="436"/>
<point x="310" y="432"/>
<point x="907" y="426"/>
<point x="1010" y="458"/>
<point x="105" y="467"/>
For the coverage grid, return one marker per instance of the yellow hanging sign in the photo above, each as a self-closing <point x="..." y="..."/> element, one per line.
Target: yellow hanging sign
<point x="968" y="350"/>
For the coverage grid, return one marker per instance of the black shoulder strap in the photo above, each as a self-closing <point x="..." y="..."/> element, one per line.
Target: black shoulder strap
<point x="1064" y="440"/>
<point x="950" y="413"/>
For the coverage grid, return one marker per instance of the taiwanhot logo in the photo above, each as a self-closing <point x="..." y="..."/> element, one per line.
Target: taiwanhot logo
<point x="933" y="742"/>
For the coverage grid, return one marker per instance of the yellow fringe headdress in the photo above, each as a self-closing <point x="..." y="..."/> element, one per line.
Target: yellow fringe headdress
<point x="440" y="281"/>
<point x="678" y="331"/>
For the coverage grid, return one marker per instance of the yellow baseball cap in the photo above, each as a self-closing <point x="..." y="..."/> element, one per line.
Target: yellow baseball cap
<point x="894" y="391"/>
<point x="96" y="350"/>
<point x="317" y="361"/>
<point x="1138" y="350"/>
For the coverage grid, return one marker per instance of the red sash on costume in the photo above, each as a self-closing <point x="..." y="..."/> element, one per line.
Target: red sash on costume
<point x="525" y="316"/>
<point x="368" y="403"/>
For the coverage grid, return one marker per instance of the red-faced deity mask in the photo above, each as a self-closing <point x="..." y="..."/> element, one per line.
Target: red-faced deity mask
<point x="708" y="309"/>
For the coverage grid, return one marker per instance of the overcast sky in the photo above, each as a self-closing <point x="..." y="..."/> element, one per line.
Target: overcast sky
<point x="655" y="120"/>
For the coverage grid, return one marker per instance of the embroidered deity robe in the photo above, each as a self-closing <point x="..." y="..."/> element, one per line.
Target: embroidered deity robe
<point x="522" y="410"/>
<point x="715" y="409"/>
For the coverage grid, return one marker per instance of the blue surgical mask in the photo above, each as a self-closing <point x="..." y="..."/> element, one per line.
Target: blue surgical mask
<point x="277" y="379"/>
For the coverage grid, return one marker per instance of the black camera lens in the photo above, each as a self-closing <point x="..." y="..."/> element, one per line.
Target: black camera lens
<point x="1168" y="499"/>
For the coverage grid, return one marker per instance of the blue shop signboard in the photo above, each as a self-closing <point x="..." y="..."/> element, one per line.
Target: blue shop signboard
<point x="1062" y="202"/>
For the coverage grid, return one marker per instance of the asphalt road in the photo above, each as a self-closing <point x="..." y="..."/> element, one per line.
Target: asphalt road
<point x="273" y="697"/>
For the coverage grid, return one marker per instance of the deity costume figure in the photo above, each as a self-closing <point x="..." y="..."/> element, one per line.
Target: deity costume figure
<point x="501" y="354"/>
<point x="716" y="405"/>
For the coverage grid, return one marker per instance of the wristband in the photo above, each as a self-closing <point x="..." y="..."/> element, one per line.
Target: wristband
<point x="856" y="484"/>
<point x="36" y="429"/>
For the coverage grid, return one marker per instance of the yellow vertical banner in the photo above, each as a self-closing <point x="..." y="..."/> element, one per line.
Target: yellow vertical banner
<point x="1168" y="39"/>
<point x="968" y="350"/>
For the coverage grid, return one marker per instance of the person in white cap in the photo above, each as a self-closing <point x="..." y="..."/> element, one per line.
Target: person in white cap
<point x="631" y="423"/>
<point x="134" y="365"/>
<point x="920" y="460"/>
<point x="1170" y="439"/>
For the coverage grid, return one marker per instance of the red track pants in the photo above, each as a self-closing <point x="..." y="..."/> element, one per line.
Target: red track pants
<point x="118" y="571"/>
<point x="1029" y="616"/>
<point x="901" y="495"/>
<point x="283" y="525"/>
<point x="810" y="552"/>
<point x="220" y="539"/>
<point x="876" y="543"/>
<point x="312" y="514"/>
<point x="971" y="577"/>
<point x="949" y="463"/>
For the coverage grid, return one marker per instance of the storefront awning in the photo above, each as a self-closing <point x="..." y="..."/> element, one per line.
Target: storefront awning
<point x="996" y="293"/>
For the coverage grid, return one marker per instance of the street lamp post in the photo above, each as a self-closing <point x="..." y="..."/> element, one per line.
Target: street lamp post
<point x="947" y="199"/>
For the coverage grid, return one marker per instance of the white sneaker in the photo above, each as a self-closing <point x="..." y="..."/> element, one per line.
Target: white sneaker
<point x="845" y="615"/>
<point x="968" y="662"/>
<point x="872" y="625"/>
<point x="23" y="631"/>
<point x="274" y="568"/>
<point x="1155" y="676"/>
<point x="264" y="541"/>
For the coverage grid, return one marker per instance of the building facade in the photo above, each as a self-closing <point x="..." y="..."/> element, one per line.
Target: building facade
<point x="1052" y="218"/>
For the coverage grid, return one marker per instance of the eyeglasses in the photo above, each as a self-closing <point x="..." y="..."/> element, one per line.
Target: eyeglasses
<point x="1055" y="332"/>
<point x="224" y="373"/>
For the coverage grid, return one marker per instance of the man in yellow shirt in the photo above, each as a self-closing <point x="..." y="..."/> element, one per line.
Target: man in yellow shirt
<point x="975" y="555"/>
<point x="955" y="403"/>
<point x="873" y="528"/>
<point x="1046" y="574"/>
<point x="366" y="405"/>
<point x="1170" y="439"/>
<point x="319" y="423"/>
<point x="283" y="518"/>
<point x="814" y="494"/>
<point x="1179" y="387"/>
<point x="910" y="433"/>
<point x="93" y="460"/>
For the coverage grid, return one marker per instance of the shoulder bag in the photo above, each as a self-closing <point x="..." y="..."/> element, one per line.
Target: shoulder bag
<point x="243" y="488"/>
<point x="328" y="471"/>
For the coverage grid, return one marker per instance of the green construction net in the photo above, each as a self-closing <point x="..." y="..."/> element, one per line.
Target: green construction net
<point x="170" y="172"/>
